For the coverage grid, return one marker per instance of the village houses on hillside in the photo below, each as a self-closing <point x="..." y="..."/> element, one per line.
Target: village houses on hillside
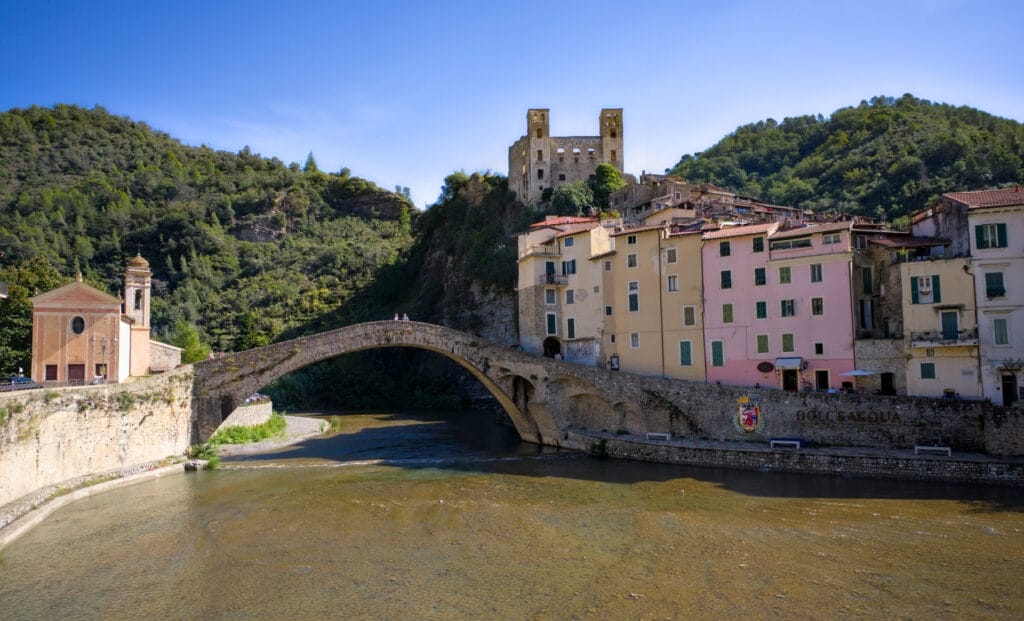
<point x="693" y="282"/>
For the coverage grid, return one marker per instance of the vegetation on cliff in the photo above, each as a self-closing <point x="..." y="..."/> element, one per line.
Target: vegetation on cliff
<point x="883" y="158"/>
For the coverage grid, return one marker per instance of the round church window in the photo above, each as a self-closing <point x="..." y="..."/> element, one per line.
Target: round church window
<point x="78" y="325"/>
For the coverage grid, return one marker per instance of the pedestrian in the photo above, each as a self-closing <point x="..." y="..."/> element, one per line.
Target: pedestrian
<point x="396" y="316"/>
<point x="405" y="317"/>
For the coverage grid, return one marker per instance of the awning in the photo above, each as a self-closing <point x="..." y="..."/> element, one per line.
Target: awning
<point x="788" y="363"/>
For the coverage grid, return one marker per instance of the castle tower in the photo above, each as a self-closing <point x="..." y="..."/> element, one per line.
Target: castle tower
<point x="137" y="282"/>
<point x="610" y="123"/>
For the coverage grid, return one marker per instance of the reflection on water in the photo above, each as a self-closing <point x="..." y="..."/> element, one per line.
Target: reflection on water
<point x="403" y="517"/>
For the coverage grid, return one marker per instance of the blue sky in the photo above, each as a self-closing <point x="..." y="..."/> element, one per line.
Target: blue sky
<point x="404" y="93"/>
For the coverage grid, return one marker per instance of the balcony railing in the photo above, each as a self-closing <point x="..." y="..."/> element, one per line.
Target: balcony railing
<point x="546" y="250"/>
<point x="944" y="338"/>
<point x="552" y="279"/>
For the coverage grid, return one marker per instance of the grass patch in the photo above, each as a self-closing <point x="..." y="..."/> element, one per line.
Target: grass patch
<point x="243" y="435"/>
<point x="207" y="451"/>
<point x="125" y="400"/>
<point x="334" y="424"/>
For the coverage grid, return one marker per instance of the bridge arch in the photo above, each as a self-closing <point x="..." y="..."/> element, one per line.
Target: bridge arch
<point x="221" y="384"/>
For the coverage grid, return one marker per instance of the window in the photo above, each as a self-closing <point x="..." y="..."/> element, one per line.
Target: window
<point x="726" y="313"/>
<point x="608" y="310"/>
<point x="569" y="242"/>
<point x="815" y="272"/>
<point x="759" y="277"/>
<point x="51" y="373"/>
<point x="819" y="349"/>
<point x="927" y="370"/>
<point x="817" y="306"/>
<point x="607" y="266"/>
<point x="762" y="343"/>
<point x="865" y="274"/>
<point x="549" y="297"/>
<point x="631" y="240"/>
<point x="724" y="249"/>
<point x="925" y="290"/>
<point x="670" y="255"/>
<point x="990" y="235"/>
<point x="540" y="155"/>
<point x="786" y="244"/>
<point x="614" y="155"/>
<point x="540" y="133"/>
<point x="787" y="343"/>
<point x="634" y="339"/>
<point x="994" y="285"/>
<point x="540" y="173"/>
<point x="831" y="238"/>
<point x="139" y="296"/>
<point x="570" y="296"/>
<point x="685" y="354"/>
<point x="568" y="267"/>
<point x="689" y="315"/>
<point x="788" y="308"/>
<point x="726" y="279"/>
<point x="552" y="321"/>
<point x="785" y="275"/>
<point x="634" y="296"/>
<point x="717" y="353"/>
<point x="78" y="325"/>
<point x="758" y="244"/>
<point x="570" y="328"/>
<point x="612" y="337"/>
<point x="761" y="309"/>
<point x="673" y="283"/>
<point x="1000" y="328"/>
<point x="631" y="260"/>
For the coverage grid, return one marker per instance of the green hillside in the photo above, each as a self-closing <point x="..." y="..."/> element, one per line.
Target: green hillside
<point x="883" y="158"/>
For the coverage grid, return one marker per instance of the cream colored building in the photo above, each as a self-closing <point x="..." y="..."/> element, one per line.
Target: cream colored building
<point x="80" y="334"/>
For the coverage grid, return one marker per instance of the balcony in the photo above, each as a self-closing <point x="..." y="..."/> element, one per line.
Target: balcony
<point x="944" y="338"/>
<point x="545" y="250"/>
<point x="552" y="279"/>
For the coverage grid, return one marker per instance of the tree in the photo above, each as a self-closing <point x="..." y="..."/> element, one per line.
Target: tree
<point x="310" y="164"/>
<point x="25" y="280"/>
<point x="572" y="199"/>
<point x="187" y="338"/>
<point x="607" y="179"/>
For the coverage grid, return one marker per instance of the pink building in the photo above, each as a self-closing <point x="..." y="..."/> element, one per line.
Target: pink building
<point x="778" y="308"/>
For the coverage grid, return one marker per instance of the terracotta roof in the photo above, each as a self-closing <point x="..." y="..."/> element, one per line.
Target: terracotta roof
<point x="639" y="229"/>
<point x="909" y="242"/>
<point x="561" y="220"/>
<point x="577" y="228"/>
<point x="736" y="231"/>
<point x="989" y="198"/>
<point x="602" y="255"/>
<point x="814" y="228"/>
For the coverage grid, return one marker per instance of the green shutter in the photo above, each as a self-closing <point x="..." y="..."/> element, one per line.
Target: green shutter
<point x="1001" y="234"/>
<point x="936" y="292"/>
<point x="914" y="297"/>
<point x="717" y="354"/>
<point x="979" y="236"/>
<point x="570" y="331"/>
<point x="685" y="354"/>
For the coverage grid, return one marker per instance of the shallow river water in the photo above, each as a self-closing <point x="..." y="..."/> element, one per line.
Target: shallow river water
<point x="425" y="517"/>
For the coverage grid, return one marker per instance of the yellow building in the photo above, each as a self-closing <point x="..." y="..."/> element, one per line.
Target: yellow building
<point x="682" y="294"/>
<point x="81" y="335"/>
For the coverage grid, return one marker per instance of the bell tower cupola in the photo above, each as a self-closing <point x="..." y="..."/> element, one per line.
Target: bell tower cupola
<point x="137" y="282"/>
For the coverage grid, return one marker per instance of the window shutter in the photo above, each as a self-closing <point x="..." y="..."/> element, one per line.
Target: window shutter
<point x="979" y="236"/>
<point x="914" y="297"/>
<point x="1001" y="234"/>
<point x="936" y="293"/>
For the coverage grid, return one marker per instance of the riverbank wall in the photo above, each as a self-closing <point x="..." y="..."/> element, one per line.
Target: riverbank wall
<point x="48" y="436"/>
<point x="842" y="461"/>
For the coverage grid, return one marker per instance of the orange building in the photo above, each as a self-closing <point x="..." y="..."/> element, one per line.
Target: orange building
<point x="82" y="335"/>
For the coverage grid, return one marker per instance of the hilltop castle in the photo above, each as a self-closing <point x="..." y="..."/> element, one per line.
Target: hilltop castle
<point x="539" y="160"/>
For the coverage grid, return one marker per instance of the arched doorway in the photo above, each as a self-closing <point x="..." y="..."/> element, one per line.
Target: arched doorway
<point x="552" y="346"/>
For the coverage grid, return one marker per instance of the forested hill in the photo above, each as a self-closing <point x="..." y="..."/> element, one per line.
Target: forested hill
<point x="242" y="247"/>
<point x="883" y="158"/>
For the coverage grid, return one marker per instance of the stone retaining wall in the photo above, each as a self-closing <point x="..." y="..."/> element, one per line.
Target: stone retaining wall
<point x="881" y="465"/>
<point x="249" y="415"/>
<point x="52" y="435"/>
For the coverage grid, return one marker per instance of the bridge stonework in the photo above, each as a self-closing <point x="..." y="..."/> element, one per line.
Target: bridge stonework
<point x="549" y="399"/>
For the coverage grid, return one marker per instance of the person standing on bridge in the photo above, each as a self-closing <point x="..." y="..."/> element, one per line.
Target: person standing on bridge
<point x="396" y="316"/>
<point x="405" y="317"/>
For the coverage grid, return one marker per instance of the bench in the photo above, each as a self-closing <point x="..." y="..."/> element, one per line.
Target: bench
<point x="938" y="450"/>
<point x="793" y="443"/>
<point x="664" y="437"/>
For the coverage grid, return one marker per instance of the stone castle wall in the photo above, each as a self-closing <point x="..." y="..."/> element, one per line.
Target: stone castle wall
<point x="48" y="436"/>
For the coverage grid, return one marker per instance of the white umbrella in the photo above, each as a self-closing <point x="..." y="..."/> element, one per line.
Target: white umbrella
<point x="857" y="373"/>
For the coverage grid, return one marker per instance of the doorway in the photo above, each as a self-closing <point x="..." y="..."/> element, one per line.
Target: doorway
<point x="76" y="374"/>
<point x="821" y="380"/>
<point x="888" y="384"/>
<point x="789" y="380"/>
<point x="552" y="347"/>
<point x="1009" y="389"/>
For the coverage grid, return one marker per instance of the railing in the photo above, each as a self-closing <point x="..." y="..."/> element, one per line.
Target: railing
<point x="547" y="250"/>
<point x="943" y="338"/>
<point x="878" y="334"/>
<point x="552" y="279"/>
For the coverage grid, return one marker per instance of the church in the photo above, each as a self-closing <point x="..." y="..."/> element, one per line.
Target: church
<point x="82" y="335"/>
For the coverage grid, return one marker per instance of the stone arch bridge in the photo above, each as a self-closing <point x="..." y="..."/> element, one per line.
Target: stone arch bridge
<point x="549" y="401"/>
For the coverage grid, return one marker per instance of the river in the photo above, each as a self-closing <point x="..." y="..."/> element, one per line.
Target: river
<point x="449" y="517"/>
